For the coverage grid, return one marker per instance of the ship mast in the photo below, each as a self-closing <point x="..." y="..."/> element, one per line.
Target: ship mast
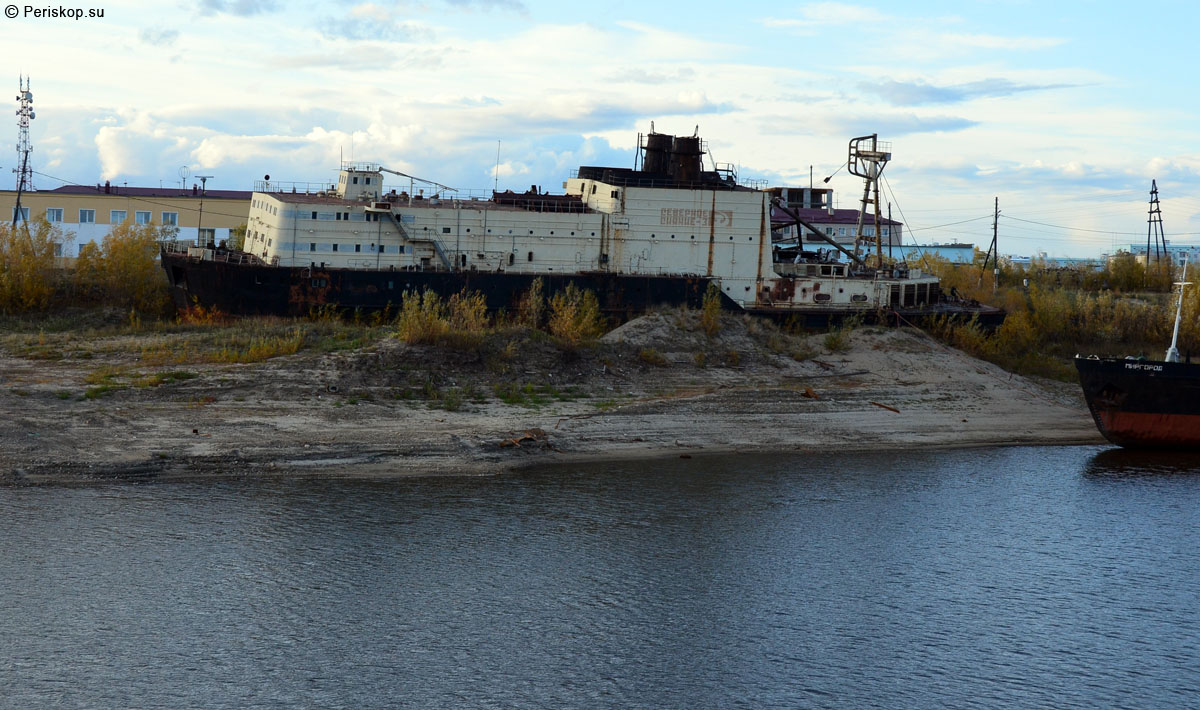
<point x="1173" y="352"/>
<point x="868" y="157"/>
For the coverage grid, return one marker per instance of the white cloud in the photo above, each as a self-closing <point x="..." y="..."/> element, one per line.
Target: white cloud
<point x="828" y="13"/>
<point x="990" y="41"/>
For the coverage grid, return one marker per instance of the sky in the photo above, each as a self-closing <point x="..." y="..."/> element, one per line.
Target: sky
<point x="1064" y="111"/>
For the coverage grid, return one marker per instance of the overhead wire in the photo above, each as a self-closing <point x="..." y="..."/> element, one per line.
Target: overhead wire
<point x="152" y="202"/>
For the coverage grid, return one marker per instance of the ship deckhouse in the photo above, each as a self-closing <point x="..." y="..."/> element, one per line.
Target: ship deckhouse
<point x="671" y="217"/>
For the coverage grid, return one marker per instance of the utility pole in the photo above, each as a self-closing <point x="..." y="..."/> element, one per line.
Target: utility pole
<point x="993" y="254"/>
<point x="200" y="219"/>
<point x="890" y="235"/>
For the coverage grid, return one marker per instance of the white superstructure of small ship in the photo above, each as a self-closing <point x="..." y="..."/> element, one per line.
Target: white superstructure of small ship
<point x="658" y="233"/>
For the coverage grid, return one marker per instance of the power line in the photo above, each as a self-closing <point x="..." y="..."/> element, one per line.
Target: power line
<point x="147" y="200"/>
<point x="1097" y="231"/>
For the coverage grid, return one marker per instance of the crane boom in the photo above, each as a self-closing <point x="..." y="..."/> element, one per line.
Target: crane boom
<point x="417" y="179"/>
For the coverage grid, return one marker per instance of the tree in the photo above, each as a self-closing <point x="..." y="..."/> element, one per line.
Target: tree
<point x="237" y="237"/>
<point x="124" y="271"/>
<point x="27" y="273"/>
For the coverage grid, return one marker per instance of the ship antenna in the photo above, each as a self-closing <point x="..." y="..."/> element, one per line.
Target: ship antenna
<point x="1173" y="352"/>
<point x="496" y="173"/>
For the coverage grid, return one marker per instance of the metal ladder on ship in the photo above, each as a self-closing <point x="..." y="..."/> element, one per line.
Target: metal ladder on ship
<point x="437" y="247"/>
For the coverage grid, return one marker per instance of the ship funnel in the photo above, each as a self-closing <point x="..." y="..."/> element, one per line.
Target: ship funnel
<point x="686" y="161"/>
<point x="657" y="149"/>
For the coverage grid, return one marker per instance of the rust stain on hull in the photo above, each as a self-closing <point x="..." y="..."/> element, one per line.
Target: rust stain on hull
<point x="712" y="235"/>
<point x="1148" y="429"/>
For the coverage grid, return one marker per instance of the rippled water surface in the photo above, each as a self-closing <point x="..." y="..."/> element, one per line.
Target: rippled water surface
<point x="1022" y="577"/>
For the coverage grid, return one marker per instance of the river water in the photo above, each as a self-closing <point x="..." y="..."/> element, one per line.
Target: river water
<point x="1009" y="577"/>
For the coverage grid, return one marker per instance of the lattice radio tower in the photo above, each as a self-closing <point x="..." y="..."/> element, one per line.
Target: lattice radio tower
<point x="1154" y="226"/>
<point x="24" y="145"/>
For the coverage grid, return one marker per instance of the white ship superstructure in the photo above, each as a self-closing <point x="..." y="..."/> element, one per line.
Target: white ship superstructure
<point x="669" y="219"/>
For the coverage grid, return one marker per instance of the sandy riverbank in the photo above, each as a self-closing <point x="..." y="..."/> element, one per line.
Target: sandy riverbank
<point x="642" y="392"/>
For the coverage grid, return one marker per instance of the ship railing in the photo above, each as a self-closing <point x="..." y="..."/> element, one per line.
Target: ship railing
<point x="186" y="248"/>
<point x="362" y="167"/>
<point x="724" y="183"/>
<point x="177" y="247"/>
<point x="296" y="188"/>
<point x="461" y="195"/>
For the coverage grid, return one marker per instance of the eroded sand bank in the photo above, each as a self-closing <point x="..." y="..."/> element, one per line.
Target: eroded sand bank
<point x="642" y="393"/>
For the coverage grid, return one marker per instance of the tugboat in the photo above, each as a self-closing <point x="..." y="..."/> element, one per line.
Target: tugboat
<point x="1145" y="403"/>
<point x="661" y="234"/>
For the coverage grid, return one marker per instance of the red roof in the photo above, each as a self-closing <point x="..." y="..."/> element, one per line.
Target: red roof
<point x="124" y="191"/>
<point x="819" y="215"/>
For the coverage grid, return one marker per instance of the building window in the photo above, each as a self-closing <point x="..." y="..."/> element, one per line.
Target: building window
<point x="24" y="216"/>
<point x="357" y="248"/>
<point x="170" y="219"/>
<point x="54" y="214"/>
<point x="887" y="232"/>
<point x="312" y="246"/>
<point x="142" y="217"/>
<point x="841" y="231"/>
<point x="445" y="230"/>
<point x="368" y="180"/>
<point x="115" y="216"/>
<point x="356" y="180"/>
<point x="335" y="243"/>
<point x="829" y="231"/>
<point x="87" y="216"/>
<point x="208" y="235"/>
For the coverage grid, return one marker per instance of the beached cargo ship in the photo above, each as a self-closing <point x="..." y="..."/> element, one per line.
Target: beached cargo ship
<point x="1143" y="403"/>
<point x="1138" y="402"/>
<point x="659" y="234"/>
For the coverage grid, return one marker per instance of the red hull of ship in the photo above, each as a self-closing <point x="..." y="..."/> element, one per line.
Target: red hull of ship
<point x="1145" y="429"/>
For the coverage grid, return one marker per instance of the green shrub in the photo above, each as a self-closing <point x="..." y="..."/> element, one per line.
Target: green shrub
<point x="710" y="310"/>
<point x="575" y="316"/>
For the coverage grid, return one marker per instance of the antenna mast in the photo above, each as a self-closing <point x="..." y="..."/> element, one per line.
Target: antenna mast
<point x="24" y="148"/>
<point x="1173" y="352"/>
<point x="24" y="145"/>
<point x="868" y="157"/>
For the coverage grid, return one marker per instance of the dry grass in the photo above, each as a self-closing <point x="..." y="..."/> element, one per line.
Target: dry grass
<point x="575" y="317"/>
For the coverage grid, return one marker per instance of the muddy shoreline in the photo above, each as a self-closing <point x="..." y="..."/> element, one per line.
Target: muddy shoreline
<point x="643" y="392"/>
